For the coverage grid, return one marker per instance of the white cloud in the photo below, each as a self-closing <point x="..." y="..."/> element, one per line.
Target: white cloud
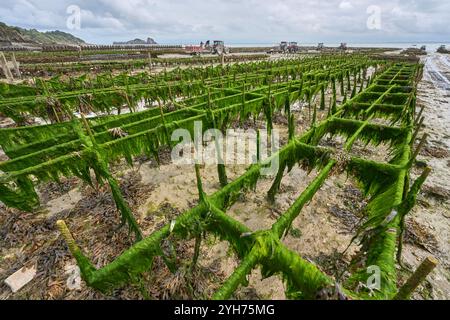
<point x="345" y="5"/>
<point x="107" y="21"/>
<point x="257" y="21"/>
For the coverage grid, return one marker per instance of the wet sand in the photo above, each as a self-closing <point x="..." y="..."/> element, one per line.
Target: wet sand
<point x="433" y="209"/>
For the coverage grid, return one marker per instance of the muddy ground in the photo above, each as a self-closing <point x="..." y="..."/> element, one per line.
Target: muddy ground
<point x="432" y="213"/>
<point x="157" y="194"/>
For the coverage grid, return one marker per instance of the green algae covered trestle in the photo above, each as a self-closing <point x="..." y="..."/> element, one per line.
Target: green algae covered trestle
<point x="388" y="95"/>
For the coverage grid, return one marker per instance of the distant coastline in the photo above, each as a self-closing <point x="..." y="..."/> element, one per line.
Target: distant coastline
<point x="431" y="46"/>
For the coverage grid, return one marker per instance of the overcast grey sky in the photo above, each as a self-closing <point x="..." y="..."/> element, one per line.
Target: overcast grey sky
<point x="239" y="21"/>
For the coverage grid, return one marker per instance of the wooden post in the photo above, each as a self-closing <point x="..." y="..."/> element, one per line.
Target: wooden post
<point x="416" y="132"/>
<point x="223" y="59"/>
<point x="16" y="66"/>
<point x="88" y="128"/>
<point x="150" y="61"/>
<point x="419" y="116"/>
<point x="419" y="147"/>
<point x="5" y="67"/>
<point x="417" y="278"/>
<point x="70" y="241"/>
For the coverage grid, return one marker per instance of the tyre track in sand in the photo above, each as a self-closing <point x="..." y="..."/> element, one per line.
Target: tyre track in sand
<point x="433" y="211"/>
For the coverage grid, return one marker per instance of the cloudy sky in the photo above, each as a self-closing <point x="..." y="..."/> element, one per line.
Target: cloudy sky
<point x="237" y="21"/>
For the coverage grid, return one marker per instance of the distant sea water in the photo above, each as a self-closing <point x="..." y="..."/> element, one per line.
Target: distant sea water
<point x="431" y="47"/>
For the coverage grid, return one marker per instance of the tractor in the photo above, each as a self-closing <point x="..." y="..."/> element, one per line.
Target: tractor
<point x="219" y="48"/>
<point x="293" y="47"/>
<point x="285" y="47"/>
<point x="343" y="46"/>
